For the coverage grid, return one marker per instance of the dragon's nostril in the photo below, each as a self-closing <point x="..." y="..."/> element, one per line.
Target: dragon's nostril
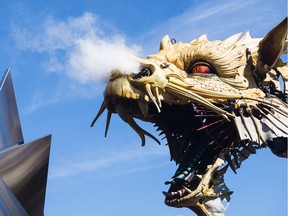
<point x="144" y="72"/>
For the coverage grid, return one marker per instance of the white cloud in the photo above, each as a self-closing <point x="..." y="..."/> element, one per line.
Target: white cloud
<point x="79" y="47"/>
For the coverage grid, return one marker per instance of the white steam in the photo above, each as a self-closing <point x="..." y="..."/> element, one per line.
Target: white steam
<point x="82" y="47"/>
<point x="93" y="59"/>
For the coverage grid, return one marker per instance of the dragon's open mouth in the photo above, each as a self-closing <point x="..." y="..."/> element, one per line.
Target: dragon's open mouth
<point x="197" y="137"/>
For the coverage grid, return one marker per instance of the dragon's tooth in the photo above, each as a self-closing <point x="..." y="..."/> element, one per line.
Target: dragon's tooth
<point x="158" y="96"/>
<point x="187" y="189"/>
<point x="152" y="97"/>
<point x="146" y="98"/>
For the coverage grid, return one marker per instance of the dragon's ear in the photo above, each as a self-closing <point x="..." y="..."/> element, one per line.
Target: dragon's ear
<point x="165" y="43"/>
<point x="271" y="47"/>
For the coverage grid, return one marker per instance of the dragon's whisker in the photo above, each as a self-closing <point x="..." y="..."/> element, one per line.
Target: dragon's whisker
<point x="186" y="95"/>
<point x="109" y="114"/>
<point x="101" y="110"/>
<point x="141" y="132"/>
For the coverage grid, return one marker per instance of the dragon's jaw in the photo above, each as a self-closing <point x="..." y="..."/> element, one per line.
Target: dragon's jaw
<point x="211" y="187"/>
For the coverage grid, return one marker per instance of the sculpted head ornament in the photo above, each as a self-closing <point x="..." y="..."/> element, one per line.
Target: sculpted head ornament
<point x="216" y="102"/>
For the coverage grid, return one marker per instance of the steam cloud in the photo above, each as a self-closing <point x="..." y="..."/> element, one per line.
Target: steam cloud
<point x="79" y="47"/>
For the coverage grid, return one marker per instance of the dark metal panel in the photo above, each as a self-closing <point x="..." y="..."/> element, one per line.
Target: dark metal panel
<point x="10" y="127"/>
<point x="9" y="205"/>
<point x="24" y="168"/>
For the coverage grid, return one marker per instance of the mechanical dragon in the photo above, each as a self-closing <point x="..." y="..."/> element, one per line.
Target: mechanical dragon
<point x="216" y="102"/>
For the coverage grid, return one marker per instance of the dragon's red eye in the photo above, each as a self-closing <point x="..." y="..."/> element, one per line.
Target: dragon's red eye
<point x="201" y="69"/>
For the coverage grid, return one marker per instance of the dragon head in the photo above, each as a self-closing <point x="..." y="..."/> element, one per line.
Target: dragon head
<point x="215" y="102"/>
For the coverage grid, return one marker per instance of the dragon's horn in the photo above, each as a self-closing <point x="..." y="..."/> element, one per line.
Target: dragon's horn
<point x="165" y="43"/>
<point x="270" y="48"/>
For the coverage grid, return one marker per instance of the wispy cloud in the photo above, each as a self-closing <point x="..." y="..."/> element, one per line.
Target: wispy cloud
<point x="110" y="161"/>
<point x="218" y="19"/>
<point x="38" y="100"/>
<point x="79" y="47"/>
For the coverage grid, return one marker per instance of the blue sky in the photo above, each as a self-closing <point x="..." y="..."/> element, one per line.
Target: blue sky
<point x="59" y="53"/>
